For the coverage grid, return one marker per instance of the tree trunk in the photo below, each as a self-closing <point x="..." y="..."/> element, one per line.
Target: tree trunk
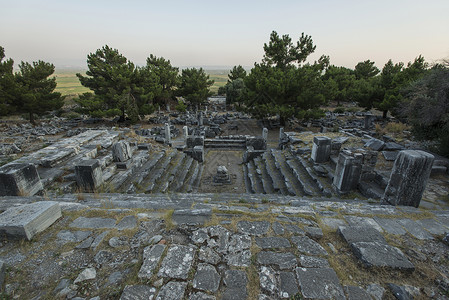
<point x="384" y="115"/>
<point x="32" y="121"/>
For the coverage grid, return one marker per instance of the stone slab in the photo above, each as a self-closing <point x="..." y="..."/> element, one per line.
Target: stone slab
<point x="363" y="221"/>
<point x="206" y="278"/>
<point x="27" y="220"/>
<point x="415" y="229"/>
<point x="19" y="180"/>
<point x="235" y="285"/>
<point x="353" y="234"/>
<point x="313" y="262"/>
<point x="283" y="261"/>
<point x="288" y="287"/>
<point x="178" y="261"/>
<point x="93" y="223"/>
<point x="272" y="242"/>
<point x="319" y="283"/>
<point x="391" y="226"/>
<point x="333" y="223"/>
<point x="138" y="292"/>
<point x="172" y="291"/>
<point x="356" y="293"/>
<point x="128" y="222"/>
<point x="269" y="282"/>
<point x="308" y="246"/>
<point x="253" y="228"/>
<point x="191" y="216"/>
<point x="380" y="255"/>
<point x="151" y="257"/>
<point x="201" y="296"/>
<point x="433" y="226"/>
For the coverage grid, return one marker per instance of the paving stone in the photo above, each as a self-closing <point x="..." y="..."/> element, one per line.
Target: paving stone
<point x="240" y="259"/>
<point x="273" y="242"/>
<point x="209" y="256"/>
<point x="399" y="292"/>
<point x="199" y="236"/>
<point x="308" y="246"/>
<point x="354" y="234"/>
<point x="333" y="223"/>
<point x="288" y="287"/>
<point x="138" y="292"/>
<point x="268" y="281"/>
<point x="415" y="229"/>
<point x="294" y="229"/>
<point x="314" y="232"/>
<point x="282" y="260"/>
<point x="376" y="291"/>
<point x="151" y="258"/>
<point x="115" y="278"/>
<point x="433" y="226"/>
<point x="178" y="261"/>
<point x="319" y="283"/>
<point x="206" y="278"/>
<point x="191" y="216"/>
<point x="253" y="228"/>
<point x="86" y="274"/>
<point x="356" y="293"/>
<point x="67" y="236"/>
<point x="201" y="296"/>
<point x="363" y="221"/>
<point x="304" y="221"/>
<point x="375" y="254"/>
<point x="235" y="282"/>
<point x="93" y="223"/>
<point x="313" y="262"/>
<point x="128" y="222"/>
<point x="391" y="226"/>
<point x="117" y="241"/>
<point x="238" y="243"/>
<point x="98" y="239"/>
<point x="278" y="228"/>
<point x="86" y="243"/>
<point x="172" y="291"/>
<point x="26" y="220"/>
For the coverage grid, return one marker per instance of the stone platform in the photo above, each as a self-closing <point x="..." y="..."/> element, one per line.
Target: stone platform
<point x="228" y="246"/>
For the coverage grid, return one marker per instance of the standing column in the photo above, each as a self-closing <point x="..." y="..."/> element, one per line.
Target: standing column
<point x="167" y="133"/>
<point x="321" y="149"/>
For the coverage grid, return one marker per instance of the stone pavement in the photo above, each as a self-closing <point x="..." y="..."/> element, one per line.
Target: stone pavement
<point x="206" y="246"/>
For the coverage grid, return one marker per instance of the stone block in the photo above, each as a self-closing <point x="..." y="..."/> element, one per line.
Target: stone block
<point x="348" y="171"/>
<point x="319" y="283"/>
<point x="27" y="220"/>
<point x="321" y="149"/>
<point x="408" y="178"/>
<point x="375" y="144"/>
<point x="198" y="153"/>
<point x="89" y="175"/>
<point x="121" y="151"/>
<point x="192" y="141"/>
<point x="19" y="180"/>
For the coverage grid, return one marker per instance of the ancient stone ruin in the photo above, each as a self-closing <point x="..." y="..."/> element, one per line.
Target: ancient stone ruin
<point x="213" y="205"/>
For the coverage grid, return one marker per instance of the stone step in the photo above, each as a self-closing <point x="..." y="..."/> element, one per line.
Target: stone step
<point x="254" y="178"/>
<point x="119" y="180"/>
<point x="135" y="181"/>
<point x="191" y="172"/>
<point x="267" y="182"/>
<point x="306" y="187"/>
<point x="160" y="169"/>
<point x="181" y="176"/>
<point x="197" y="179"/>
<point x="172" y="172"/>
<point x="323" y="185"/>
<point x="289" y="179"/>
<point x="275" y="175"/>
<point x="248" y="185"/>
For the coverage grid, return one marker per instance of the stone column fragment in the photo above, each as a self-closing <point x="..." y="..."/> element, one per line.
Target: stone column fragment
<point x="19" y="180"/>
<point x="321" y="149"/>
<point x="408" y="178"/>
<point x="348" y="171"/>
<point x="89" y="175"/>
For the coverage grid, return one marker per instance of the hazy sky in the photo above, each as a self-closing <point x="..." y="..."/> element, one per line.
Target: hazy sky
<point x="224" y="33"/>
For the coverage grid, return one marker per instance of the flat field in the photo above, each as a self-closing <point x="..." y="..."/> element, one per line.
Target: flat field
<point x="68" y="83"/>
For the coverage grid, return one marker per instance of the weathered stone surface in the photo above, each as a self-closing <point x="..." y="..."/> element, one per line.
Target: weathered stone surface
<point x="85" y="244"/>
<point x="375" y="144"/>
<point x="415" y="229"/>
<point x="178" y="261"/>
<point x="86" y="274"/>
<point x="400" y="292"/>
<point x="308" y="246"/>
<point x="26" y="220"/>
<point x="199" y="236"/>
<point x="294" y="229"/>
<point x="278" y="228"/>
<point x="287" y="285"/>
<point x="376" y="291"/>
<point x="121" y="151"/>
<point x="313" y="262"/>
<point x="201" y="296"/>
<point x="356" y="293"/>
<point x="283" y="261"/>
<point x="375" y="254"/>
<point x="390" y="155"/>
<point x="2" y="273"/>
<point x="172" y="291"/>
<point x="151" y="257"/>
<point x="66" y="236"/>
<point x="128" y="222"/>
<point x="98" y="239"/>
<point x="363" y="221"/>
<point x="191" y="216"/>
<point x="239" y="259"/>
<point x="333" y="223"/>
<point x="19" y="180"/>
<point x="235" y="282"/>
<point x="253" y="228"/>
<point x="408" y="178"/>
<point x="138" y="292"/>
<point x="319" y="283"/>
<point x="314" y="232"/>
<point x="352" y="234"/>
<point x="93" y="223"/>
<point x="390" y="225"/>
<point x="209" y="256"/>
<point x="273" y="242"/>
<point x="348" y="171"/>
<point x="89" y="175"/>
<point x="321" y="149"/>
<point x="206" y="278"/>
<point x="268" y="281"/>
<point x="433" y="226"/>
